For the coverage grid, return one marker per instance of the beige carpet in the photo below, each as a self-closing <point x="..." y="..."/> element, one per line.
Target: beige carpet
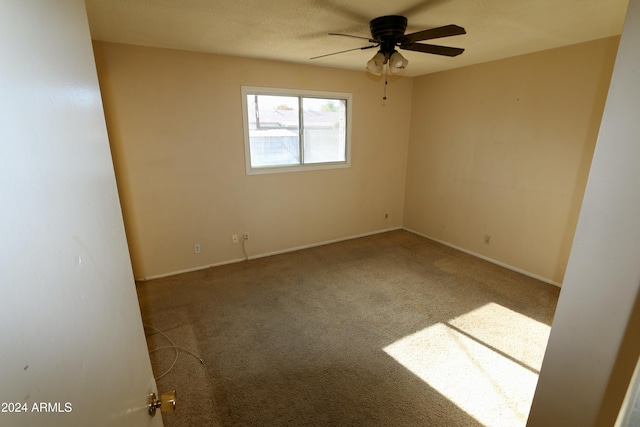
<point x="387" y="330"/>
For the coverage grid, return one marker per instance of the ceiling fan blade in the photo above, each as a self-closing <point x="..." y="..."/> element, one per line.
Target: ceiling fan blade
<point x="356" y="37"/>
<point x="433" y="33"/>
<point x="431" y="48"/>
<point x="343" y="51"/>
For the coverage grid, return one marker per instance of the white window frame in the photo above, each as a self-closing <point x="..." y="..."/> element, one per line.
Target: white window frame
<point x="252" y="90"/>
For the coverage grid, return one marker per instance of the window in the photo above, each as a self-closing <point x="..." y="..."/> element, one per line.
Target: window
<point x="287" y="130"/>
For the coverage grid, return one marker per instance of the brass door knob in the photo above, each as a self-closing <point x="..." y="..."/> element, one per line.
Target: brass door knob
<point x="166" y="403"/>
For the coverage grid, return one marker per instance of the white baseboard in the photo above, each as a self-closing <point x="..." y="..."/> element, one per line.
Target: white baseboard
<point x="328" y="242"/>
<point x="477" y="255"/>
<point x="267" y="254"/>
<point x="189" y="270"/>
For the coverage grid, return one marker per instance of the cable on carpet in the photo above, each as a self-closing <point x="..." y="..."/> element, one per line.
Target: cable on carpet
<point x="244" y="250"/>
<point x="173" y="346"/>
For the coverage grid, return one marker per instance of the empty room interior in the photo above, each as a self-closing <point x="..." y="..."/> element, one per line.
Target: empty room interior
<point x="412" y="282"/>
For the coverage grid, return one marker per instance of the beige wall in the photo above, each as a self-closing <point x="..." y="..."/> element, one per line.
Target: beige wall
<point x="503" y="149"/>
<point x="500" y="149"/>
<point x="175" y="126"/>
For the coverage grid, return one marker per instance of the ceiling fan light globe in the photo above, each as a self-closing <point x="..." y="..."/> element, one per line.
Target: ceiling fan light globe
<point x="376" y="64"/>
<point x="397" y="62"/>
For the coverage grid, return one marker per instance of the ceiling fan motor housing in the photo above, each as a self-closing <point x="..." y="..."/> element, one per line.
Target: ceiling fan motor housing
<point x="387" y="30"/>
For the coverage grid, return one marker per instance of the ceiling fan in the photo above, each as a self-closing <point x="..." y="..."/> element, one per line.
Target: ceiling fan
<point x="387" y="33"/>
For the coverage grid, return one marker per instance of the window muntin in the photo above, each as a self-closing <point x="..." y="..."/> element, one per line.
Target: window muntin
<point x="289" y="130"/>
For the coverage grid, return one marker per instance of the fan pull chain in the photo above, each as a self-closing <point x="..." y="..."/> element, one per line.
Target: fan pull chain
<point x="386" y="69"/>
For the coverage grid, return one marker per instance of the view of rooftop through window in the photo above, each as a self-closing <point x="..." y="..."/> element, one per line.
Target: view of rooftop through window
<point x="295" y="130"/>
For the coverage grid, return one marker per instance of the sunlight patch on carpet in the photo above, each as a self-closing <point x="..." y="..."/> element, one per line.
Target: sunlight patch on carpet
<point x="486" y="362"/>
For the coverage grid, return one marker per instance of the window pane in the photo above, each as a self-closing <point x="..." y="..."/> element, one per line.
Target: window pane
<point x="277" y="138"/>
<point x="274" y="131"/>
<point x="324" y="130"/>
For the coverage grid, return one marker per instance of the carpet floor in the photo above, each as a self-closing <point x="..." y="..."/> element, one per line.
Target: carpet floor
<point x="386" y="330"/>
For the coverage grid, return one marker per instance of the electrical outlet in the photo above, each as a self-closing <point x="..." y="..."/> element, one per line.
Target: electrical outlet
<point x="234" y="238"/>
<point x="245" y="236"/>
<point x="196" y="248"/>
<point x="487" y="239"/>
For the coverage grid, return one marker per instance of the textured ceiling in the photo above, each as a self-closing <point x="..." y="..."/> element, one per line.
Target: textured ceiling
<point x="296" y="30"/>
